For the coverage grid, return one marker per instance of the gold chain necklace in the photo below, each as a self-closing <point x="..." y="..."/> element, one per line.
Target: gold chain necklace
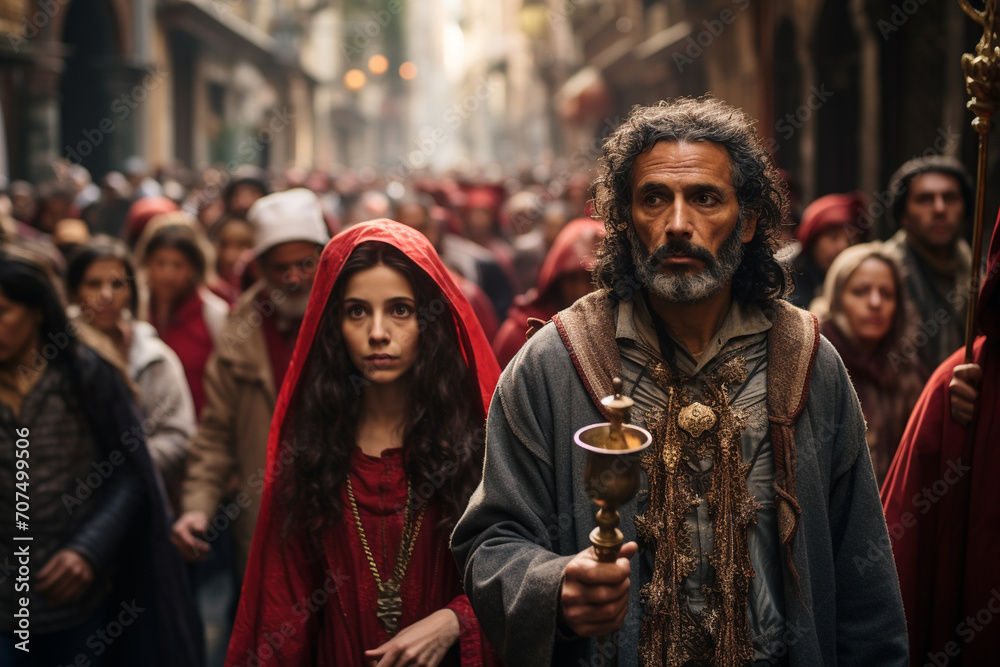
<point x="390" y="603"/>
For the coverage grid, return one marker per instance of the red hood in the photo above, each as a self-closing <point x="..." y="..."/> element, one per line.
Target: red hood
<point x="476" y="348"/>
<point x="572" y="250"/>
<point x="827" y="212"/>
<point x="142" y="211"/>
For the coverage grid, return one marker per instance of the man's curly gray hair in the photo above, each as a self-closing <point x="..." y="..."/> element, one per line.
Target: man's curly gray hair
<point x="759" y="191"/>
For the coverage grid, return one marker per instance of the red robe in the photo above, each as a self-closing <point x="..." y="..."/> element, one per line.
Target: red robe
<point x="187" y="334"/>
<point x="942" y="506"/>
<point x="298" y="610"/>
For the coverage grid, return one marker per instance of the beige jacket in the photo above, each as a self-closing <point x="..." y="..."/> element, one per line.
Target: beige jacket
<point x="232" y="436"/>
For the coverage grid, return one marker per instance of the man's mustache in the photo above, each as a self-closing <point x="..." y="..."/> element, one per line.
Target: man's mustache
<point x="679" y="248"/>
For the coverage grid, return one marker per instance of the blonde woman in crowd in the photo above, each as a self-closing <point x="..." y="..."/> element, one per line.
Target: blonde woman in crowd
<point x="863" y="311"/>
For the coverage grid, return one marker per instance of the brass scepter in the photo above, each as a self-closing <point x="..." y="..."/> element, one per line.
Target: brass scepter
<point x="611" y="477"/>
<point x="982" y="82"/>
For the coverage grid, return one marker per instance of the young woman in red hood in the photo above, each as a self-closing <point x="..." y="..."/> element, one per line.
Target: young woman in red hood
<point x="564" y="278"/>
<point x="375" y="447"/>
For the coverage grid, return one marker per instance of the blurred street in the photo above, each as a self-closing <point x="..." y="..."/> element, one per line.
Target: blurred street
<point x="359" y="93"/>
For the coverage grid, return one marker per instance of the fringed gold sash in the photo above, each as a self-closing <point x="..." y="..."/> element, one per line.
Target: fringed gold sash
<point x="686" y="432"/>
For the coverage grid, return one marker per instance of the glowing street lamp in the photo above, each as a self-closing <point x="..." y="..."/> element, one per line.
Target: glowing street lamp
<point x="408" y="71"/>
<point x="378" y="64"/>
<point x="354" y="79"/>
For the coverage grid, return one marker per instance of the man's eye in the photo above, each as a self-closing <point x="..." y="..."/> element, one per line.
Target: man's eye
<point x="705" y="198"/>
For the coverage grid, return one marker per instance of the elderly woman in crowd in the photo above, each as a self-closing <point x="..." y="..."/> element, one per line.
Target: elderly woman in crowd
<point x="863" y="311"/>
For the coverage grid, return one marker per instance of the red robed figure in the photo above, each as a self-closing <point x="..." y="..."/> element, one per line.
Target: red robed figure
<point x="297" y="610"/>
<point x="942" y="505"/>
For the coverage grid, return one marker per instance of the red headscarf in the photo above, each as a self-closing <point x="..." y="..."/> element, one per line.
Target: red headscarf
<point x="573" y="250"/>
<point x="474" y="346"/>
<point x="942" y="505"/>
<point x="141" y="212"/>
<point x="829" y="212"/>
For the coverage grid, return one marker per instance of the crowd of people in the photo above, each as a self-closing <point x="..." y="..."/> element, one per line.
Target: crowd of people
<point x="284" y="381"/>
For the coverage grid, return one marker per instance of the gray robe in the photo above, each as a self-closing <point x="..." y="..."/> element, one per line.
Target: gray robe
<point x="531" y="515"/>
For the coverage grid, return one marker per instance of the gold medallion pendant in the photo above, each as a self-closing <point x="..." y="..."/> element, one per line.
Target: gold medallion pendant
<point x="390" y="605"/>
<point x="696" y="419"/>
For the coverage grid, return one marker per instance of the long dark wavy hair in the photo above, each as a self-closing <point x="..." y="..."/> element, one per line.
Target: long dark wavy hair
<point x="759" y="190"/>
<point x="443" y="438"/>
<point x="25" y="279"/>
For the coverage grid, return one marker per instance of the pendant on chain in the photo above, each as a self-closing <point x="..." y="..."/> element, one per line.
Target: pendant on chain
<point x="389" y="606"/>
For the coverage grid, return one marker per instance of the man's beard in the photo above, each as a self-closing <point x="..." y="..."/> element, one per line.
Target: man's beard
<point x="679" y="286"/>
<point x="293" y="306"/>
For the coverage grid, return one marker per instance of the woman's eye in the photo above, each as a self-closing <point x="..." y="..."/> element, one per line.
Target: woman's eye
<point x="401" y="310"/>
<point x="355" y="311"/>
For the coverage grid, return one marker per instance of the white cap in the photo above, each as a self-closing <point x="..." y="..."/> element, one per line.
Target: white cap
<point x="292" y="215"/>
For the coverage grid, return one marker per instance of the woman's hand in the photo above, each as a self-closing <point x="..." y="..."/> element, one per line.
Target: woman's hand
<point x="963" y="392"/>
<point x="65" y="577"/>
<point x="424" y="643"/>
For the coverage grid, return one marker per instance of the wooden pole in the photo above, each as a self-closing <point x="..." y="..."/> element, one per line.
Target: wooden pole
<point x="982" y="82"/>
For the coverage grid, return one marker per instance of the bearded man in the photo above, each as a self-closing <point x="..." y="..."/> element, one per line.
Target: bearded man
<point x="224" y="477"/>
<point x="932" y="201"/>
<point x="758" y="540"/>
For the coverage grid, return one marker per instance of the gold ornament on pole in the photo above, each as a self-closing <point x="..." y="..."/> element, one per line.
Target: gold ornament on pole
<point x="982" y="82"/>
